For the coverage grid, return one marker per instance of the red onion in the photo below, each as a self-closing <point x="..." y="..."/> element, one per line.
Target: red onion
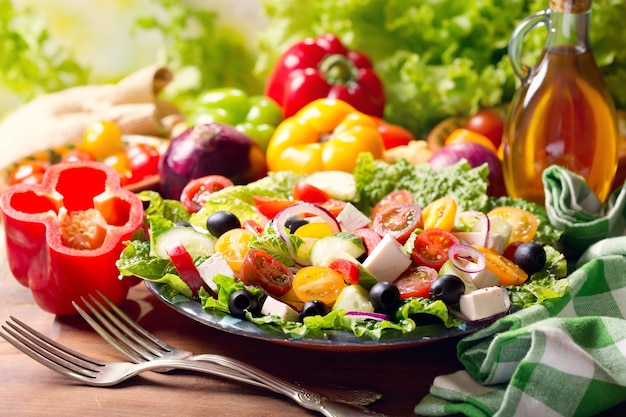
<point x="297" y="210"/>
<point x="475" y="155"/>
<point x="367" y="315"/>
<point x="467" y="258"/>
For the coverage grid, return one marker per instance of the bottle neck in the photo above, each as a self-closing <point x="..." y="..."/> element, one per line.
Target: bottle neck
<point x="569" y="31"/>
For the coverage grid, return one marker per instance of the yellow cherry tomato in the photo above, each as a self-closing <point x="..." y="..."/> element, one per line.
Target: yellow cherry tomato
<point x="233" y="245"/>
<point x="318" y="283"/>
<point x="440" y="214"/>
<point x="524" y="224"/>
<point x="102" y="139"/>
<point x="326" y="134"/>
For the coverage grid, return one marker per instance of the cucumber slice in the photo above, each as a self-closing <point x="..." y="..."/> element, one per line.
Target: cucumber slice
<point x="340" y="185"/>
<point x="196" y="243"/>
<point x="354" y="298"/>
<point x="326" y="249"/>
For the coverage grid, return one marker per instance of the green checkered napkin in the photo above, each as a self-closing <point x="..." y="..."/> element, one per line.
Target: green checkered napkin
<point x="566" y="357"/>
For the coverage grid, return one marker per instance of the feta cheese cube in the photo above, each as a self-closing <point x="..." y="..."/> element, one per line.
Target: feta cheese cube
<point x="484" y="302"/>
<point x="213" y="266"/>
<point x="272" y="306"/>
<point x="351" y="218"/>
<point x="388" y="260"/>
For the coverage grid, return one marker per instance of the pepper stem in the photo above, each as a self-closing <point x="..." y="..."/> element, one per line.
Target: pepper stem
<point x="338" y="69"/>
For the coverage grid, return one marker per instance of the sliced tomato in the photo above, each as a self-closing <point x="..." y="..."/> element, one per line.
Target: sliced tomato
<point x="309" y="193"/>
<point x="183" y="262"/>
<point x="507" y="271"/>
<point x="261" y="269"/>
<point x="398" y="220"/>
<point x="333" y="206"/>
<point x="430" y="247"/>
<point x="440" y="214"/>
<point x="318" y="283"/>
<point x="524" y="224"/>
<point x="252" y="226"/>
<point x="197" y="191"/>
<point x="271" y="206"/>
<point x="415" y="281"/>
<point x="233" y="245"/>
<point x="348" y="269"/>
<point x="399" y="196"/>
<point x="369" y="237"/>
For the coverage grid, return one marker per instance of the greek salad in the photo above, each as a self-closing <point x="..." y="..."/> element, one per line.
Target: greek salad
<point x="376" y="252"/>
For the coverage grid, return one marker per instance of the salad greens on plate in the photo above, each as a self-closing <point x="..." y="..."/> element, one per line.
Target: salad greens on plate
<point x="374" y="179"/>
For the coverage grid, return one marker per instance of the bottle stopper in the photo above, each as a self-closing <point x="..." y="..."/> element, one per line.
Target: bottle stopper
<point x="570" y="6"/>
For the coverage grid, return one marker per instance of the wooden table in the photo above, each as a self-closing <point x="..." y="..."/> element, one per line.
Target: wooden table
<point x="403" y="376"/>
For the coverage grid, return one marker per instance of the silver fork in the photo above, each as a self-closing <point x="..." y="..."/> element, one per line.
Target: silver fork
<point x="95" y="372"/>
<point x="139" y="345"/>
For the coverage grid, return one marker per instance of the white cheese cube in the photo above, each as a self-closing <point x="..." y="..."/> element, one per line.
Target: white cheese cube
<point x="272" y="306"/>
<point x="484" y="302"/>
<point x="213" y="266"/>
<point x="484" y="278"/>
<point x="351" y="218"/>
<point x="388" y="260"/>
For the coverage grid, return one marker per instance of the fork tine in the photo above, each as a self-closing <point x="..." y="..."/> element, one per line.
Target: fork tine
<point x="48" y="352"/>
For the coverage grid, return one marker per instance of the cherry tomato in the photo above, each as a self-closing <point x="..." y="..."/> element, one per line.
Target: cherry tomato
<point x="313" y="230"/>
<point x="393" y="135"/>
<point x="430" y="247"/>
<point x="398" y="220"/>
<point x="507" y="271"/>
<point x="509" y="251"/>
<point x="466" y="135"/>
<point x="369" y="237"/>
<point x="309" y="193"/>
<point x="333" y="206"/>
<point x="348" y="269"/>
<point x="252" y="226"/>
<point x="261" y="269"/>
<point x="415" y="281"/>
<point x="102" y="139"/>
<point x="440" y="214"/>
<point x="29" y="172"/>
<point x="233" y="245"/>
<point x="524" y="224"/>
<point x="271" y="206"/>
<point x="121" y="164"/>
<point x="144" y="161"/>
<point x="77" y="155"/>
<point x="489" y="123"/>
<point x="438" y="135"/>
<point x="197" y="191"/>
<point x="399" y="196"/>
<point x="318" y="283"/>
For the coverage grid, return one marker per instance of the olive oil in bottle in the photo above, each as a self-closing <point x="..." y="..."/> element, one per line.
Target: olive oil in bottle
<point x="563" y="114"/>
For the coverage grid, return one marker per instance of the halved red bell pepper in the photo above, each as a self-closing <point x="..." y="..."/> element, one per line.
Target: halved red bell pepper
<point x="323" y="67"/>
<point x="64" y="236"/>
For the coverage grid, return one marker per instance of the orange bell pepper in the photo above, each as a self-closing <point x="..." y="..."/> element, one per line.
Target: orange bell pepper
<point x="327" y="134"/>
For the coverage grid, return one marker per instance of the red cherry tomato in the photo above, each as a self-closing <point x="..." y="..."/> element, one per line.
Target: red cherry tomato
<point x="144" y="161"/>
<point x="197" y="191"/>
<point x="398" y="220"/>
<point x="29" y="172"/>
<point x="431" y="247"/>
<point x="309" y="193"/>
<point x="261" y="269"/>
<point x="415" y="281"/>
<point x="271" y="206"/>
<point x="393" y="135"/>
<point x="489" y="123"/>
<point x="369" y="237"/>
<point x="399" y="196"/>
<point x="333" y="206"/>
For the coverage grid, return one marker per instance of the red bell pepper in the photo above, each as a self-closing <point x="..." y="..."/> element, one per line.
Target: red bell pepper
<point x="323" y="67"/>
<point x="64" y="236"/>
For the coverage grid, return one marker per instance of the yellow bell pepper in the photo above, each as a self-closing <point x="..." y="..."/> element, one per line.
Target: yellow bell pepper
<point x="327" y="134"/>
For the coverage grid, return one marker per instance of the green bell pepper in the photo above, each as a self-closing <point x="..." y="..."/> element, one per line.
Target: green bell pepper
<point x="255" y="115"/>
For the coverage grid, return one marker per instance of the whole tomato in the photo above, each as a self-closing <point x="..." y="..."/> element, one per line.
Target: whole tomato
<point x="143" y="159"/>
<point x="489" y="123"/>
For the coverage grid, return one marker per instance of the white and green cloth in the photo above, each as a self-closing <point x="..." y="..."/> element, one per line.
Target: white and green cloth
<point x="566" y="357"/>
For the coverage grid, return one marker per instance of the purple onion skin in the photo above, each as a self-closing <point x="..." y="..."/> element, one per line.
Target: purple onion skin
<point x="209" y="149"/>
<point x="475" y="155"/>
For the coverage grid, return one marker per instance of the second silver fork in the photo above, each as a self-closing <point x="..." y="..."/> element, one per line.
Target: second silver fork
<point x="139" y="345"/>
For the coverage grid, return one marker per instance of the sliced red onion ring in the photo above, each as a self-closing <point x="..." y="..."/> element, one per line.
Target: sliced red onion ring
<point x="482" y="226"/>
<point x="466" y="258"/>
<point x="367" y="315"/>
<point x="297" y="210"/>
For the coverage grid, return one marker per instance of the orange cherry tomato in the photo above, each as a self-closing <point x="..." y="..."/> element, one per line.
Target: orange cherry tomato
<point x="440" y="214"/>
<point x="524" y="224"/>
<point x="466" y="135"/>
<point x="318" y="283"/>
<point x="507" y="271"/>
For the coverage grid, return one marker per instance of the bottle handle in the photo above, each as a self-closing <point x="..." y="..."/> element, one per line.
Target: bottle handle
<point x="540" y="18"/>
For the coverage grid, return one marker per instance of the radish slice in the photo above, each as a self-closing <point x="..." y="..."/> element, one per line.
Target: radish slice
<point x="301" y="209"/>
<point x="480" y="226"/>
<point x="367" y="315"/>
<point x="467" y="258"/>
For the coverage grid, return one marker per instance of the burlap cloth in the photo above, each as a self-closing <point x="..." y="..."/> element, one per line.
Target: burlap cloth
<point x="58" y="118"/>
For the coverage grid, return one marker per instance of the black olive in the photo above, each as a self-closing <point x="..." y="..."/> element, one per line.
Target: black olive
<point x="183" y="224"/>
<point x="294" y="223"/>
<point x="313" y="308"/>
<point x="385" y="297"/>
<point x="241" y="301"/>
<point x="447" y="288"/>
<point x="530" y="256"/>
<point x="221" y="222"/>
